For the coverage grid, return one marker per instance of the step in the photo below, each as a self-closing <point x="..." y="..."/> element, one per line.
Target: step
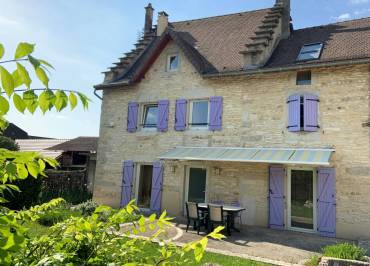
<point x="264" y="31"/>
<point x="268" y="26"/>
<point x="270" y="20"/>
<point x="257" y="43"/>
<point x="262" y="37"/>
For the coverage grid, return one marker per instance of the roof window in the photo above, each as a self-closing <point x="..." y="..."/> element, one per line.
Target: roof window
<point x="310" y="52"/>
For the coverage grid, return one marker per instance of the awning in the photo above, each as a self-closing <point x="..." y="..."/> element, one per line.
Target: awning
<point x="257" y="155"/>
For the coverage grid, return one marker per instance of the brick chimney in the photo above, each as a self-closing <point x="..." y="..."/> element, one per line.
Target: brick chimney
<point x="285" y="19"/>
<point x="162" y="23"/>
<point x="148" y="19"/>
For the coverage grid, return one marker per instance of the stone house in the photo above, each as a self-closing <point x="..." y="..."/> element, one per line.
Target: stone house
<point x="242" y="108"/>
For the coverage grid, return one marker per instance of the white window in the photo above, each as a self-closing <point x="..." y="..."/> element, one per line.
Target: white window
<point x="150" y="112"/>
<point x="173" y="62"/>
<point x="310" y="52"/>
<point x="199" y="110"/>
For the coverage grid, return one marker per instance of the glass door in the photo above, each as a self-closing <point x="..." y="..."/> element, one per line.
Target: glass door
<point x="301" y="200"/>
<point x="196" y="191"/>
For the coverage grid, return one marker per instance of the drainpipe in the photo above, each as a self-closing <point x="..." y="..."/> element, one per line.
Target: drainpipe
<point x="97" y="95"/>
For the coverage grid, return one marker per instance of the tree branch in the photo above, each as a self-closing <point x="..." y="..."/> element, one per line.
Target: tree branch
<point x="40" y="89"/>
<point x="13" y="60"/>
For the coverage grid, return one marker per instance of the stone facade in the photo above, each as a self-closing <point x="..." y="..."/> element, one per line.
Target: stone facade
<point x="255" y="115"/>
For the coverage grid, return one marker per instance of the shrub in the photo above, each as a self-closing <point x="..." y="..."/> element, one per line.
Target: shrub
<point x="8" y="143"/>
<point x="345" y="251"/>
<point x="314" y="261"/>
<point x="86" y="208"/>
<point x="58" y="215"/>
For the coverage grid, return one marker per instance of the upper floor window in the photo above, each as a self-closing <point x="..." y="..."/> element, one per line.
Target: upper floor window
<point x="310" y="52"/>
<point x="150" y="114"/>
<point x="303" y="112"/>
<point x="198" y="113"/>
<point x="304" y="77"/>
<point x="173" y="62"/>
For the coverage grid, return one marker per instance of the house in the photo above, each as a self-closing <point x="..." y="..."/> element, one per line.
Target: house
<point x="76" y="157"/>
<point x="15" y="132"/>
<point x="242" y="107"/>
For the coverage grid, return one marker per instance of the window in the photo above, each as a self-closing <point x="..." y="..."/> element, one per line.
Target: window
<point x="150" y="116"/>
<point x="199" y="113"/>
<point x="310" y="52"/>
<point x="304" y="78"/>
<point x="173" y="62"/>
<point x="303" y="113"/>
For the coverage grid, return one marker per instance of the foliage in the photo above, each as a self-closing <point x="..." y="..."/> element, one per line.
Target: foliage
<point x="8" y="143"/>
<point x="345" y="251"/>
<point x="74" y="195"/>
<point x="89" y="241"/>
<point x="86" y="208"/>
<point x="57" y="215"/>
<point x="313" y="261"/>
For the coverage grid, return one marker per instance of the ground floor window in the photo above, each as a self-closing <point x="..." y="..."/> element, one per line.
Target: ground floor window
<point x="301" y="199"/>
<point x="145" y="186"/>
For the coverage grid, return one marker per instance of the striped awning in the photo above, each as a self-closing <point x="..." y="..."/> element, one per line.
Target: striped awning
<point x="257" y="155"/>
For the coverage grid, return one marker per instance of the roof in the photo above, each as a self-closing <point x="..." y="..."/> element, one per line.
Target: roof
<point x="256" y="155"/>
<point x="15" y="132"/>
<point x="41" y="146"/>
<point x="342" y="41"/>
<point x="87" y="144"/>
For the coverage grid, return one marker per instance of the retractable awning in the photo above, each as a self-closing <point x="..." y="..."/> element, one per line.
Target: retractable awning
<point x="257" y="155"/>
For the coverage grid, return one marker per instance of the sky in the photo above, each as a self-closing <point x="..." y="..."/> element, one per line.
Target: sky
<point x="82" y="38"/>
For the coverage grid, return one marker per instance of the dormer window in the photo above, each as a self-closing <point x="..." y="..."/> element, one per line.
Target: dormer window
<point x="173" y="62"/>
<point x="310" y="52"/>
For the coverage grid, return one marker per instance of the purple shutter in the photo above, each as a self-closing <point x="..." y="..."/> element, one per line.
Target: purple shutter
<point x="163" y="107"/>
<point x="132" y="117"/>
<point x="128" y="175"/>
<point x="294" y="113"/>
<point x="180" y="115"/>
<point x="157" y="182"/>
<point x="310" y="112"/>
<point x="215" y="113"/>
<point x="326" y="206"/>
<point x="276" y="197"/>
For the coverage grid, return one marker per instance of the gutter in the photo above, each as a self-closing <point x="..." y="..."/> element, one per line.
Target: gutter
<point x="288" y="68"/>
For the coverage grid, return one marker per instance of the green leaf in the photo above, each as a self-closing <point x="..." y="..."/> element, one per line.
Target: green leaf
<point x="7" y="81"/>
<point x="19" y="103"/>
<point x="40" y="73"/>
<point x="2" y="51"/>
<point x="45" y="63"/>
<point x="84" y="100"/>
<point x="4" y="106"/>
<point x="16" y="79"/>
<point x="61" y="100"/>
<point x="33" y="169"/>
<point x="22" y="171"/>
<point x="30" y="98"/>
<point x="23" y="49"/>
<point x="72" y="100"/>
<point x="23" y="74"/>
<point x="44" y="101"/>
<point x="3" y="123"/>
<point x="41" y="165"/>
<point x="35" y="62"/>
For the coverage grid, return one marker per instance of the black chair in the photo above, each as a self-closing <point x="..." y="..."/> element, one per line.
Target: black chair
<point x="195" y="215"/>
<point x="216" y="217"/>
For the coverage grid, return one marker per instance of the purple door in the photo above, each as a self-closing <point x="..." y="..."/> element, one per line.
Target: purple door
<point x="276" y="197"/>
<point x="326" y="206"/>
<point x="128" y="174"/>
<point x="157" y="182"/>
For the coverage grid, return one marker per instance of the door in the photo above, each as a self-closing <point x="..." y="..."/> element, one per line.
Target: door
<point x="196" y="185"/>
<point x="276" y="197"/>
<point x="301" y="203"/>
<point x="145" y="186"/>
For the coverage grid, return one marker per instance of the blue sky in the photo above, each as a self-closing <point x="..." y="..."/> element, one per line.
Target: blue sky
<point x="81" y="38"/>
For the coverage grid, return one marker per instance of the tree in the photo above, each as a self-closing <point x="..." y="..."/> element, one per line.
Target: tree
<point x="8" y="143"/>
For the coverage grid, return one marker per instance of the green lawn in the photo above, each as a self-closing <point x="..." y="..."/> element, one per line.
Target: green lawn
<point x="37" y="230"/>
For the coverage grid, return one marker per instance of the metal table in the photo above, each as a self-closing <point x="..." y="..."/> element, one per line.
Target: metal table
<point x="231" y="212"/>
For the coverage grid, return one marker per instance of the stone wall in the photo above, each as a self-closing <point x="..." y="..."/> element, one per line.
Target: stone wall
<point x="255" y="115"/>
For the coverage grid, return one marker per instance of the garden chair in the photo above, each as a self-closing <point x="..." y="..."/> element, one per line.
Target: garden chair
<point x="195" y="215"/>
<point x="216" y="217"/>
<point x="239" y="215"/>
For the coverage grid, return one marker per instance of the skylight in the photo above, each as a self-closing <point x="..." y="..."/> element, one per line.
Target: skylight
<point x="310" y="52"/>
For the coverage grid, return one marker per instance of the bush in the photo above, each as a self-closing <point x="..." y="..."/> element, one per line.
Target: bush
<point x="314" y="261"/>
<point x="8" y="143"/>
<point x="86" y="208"/>
<point x="58" y="215"/>
<point x="345" y="251"/>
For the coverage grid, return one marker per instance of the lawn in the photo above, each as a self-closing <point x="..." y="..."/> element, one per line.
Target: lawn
<point x="37" y="229"/>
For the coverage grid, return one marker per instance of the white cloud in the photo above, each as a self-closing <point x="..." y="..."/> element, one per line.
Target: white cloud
<point x="8" y="21"/>
<point x="343" y="17"/>
<point x="358" y="2"/>
<point x="361" y="11"/>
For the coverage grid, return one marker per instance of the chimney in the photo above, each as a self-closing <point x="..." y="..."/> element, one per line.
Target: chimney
<point x="162" y="23"/>
<point x="285" y="19"/>
<point x="148" y="19"/>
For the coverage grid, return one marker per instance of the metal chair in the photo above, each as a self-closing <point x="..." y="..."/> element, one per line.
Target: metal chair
<point x="194" y="215"/>
<point x="216" y="217"/>
<point x="239" y="215"/>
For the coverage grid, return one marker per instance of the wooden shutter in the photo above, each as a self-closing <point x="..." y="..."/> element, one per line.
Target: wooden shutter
<point x="133" y="108"/>
<point x="215" y="113"/>
<point x="326" y="203"/>
<point x="310" y="112"/>
<point x="276" y="197"/>
<point x="157" y="183"/>
<point x="180" y="115"/>
<point x="163" y="107"/>
<point x="294" y="113"/>
<point x="127" y="178"/>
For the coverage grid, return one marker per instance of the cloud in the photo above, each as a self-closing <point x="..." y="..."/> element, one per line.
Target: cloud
<point x="361" y="11"/>
<point x="358" y="2"/>
<point x="343" y="17"/>
<point x="9" y="21"/>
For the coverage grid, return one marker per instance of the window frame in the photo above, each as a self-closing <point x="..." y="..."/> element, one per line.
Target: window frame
<point x="169" y="62"/>
<point x="190" y="116"/>
<point x="144" y="108"/>
<point x="305" y="82"/>
<point x="318" y="51"/>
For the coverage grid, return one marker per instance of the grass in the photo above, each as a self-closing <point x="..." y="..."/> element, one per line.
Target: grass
<point x="36" y="229"/>
<point x="344" y="251"/>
